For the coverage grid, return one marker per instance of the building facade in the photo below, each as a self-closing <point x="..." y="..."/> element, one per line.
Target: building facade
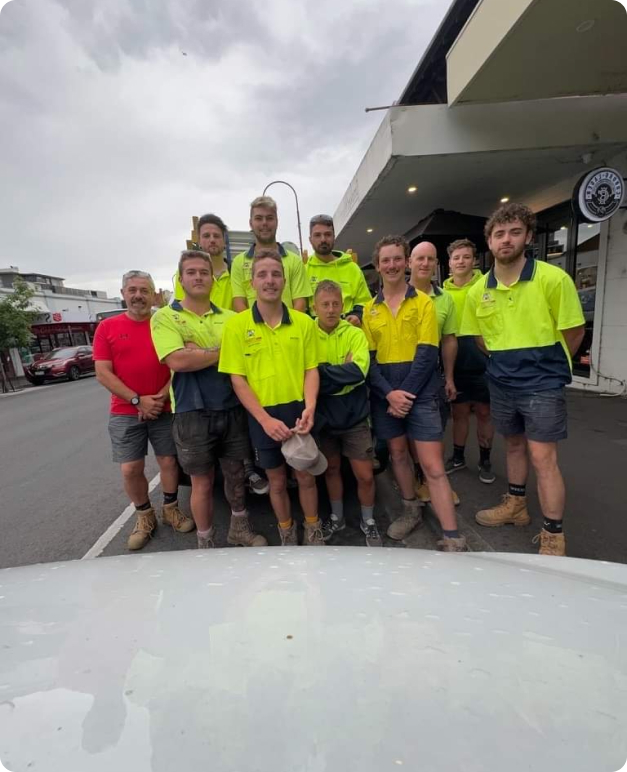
<point x="65" y="316"/>
<point x="485" y="118"/>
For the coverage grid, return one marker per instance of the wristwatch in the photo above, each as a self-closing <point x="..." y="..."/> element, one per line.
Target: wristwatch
<point x="135" y="400"/>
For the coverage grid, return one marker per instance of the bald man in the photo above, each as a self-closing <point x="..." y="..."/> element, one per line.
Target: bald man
<point x="423" y="264"/>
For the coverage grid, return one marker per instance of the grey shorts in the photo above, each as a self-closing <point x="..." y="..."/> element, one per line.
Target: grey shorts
<point x="130" y="437"/>
<point x="540" y="415"/>
<point x="355" y="443"/>
<point x="204" y="436"/>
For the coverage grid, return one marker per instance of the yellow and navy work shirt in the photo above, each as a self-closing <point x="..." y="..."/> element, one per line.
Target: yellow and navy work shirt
<point x="221" y="292"/>
<point x="273" y="361"/>
<point x="343" y="398"/>
<point x="404" y="348"/>
<point x="470" y="360"/>
<point x="345" y="272"/>
<point x="296" y="284"/>
<point x="521" y="326"/>
<point x="174" y="326"/>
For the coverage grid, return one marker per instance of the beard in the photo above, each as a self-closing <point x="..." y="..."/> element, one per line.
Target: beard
<point x="512" y="257"/>
<point x="324" y="249"/>
<point x="267" y="241"/>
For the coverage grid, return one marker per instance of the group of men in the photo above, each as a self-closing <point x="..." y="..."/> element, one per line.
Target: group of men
<point x="277" y="360"/>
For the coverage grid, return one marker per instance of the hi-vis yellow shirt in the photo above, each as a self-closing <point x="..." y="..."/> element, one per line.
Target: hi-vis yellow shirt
<point x="296" y="283"/>
<point x="273" y="360"/>
<point x="521" y="326"/>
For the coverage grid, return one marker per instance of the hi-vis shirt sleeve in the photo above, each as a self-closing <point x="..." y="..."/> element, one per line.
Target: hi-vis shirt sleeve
<point x="359" y="349"/>
<point x="300" y="286"/>
<point x="365" y="326"/>
<point x="429" y="326"/>
<point x="237" y="277"/>
<point x="470" y="324"/>
<point x="166" y="334"/>
<point x="310" y="343"/>
<point x="362" y="293"/>
<point x="232" y="359"/>
<point x="450" y="322"/>
<point x="565" y="304"/>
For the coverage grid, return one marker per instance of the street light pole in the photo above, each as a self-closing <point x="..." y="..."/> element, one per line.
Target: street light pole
<point x="282" y="182"/>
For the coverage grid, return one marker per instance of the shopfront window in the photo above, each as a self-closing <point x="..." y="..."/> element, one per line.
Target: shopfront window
<point x="574" y="247"/>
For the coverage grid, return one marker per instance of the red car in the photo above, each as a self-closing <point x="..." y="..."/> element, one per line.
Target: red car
<point x="68" y="363"/>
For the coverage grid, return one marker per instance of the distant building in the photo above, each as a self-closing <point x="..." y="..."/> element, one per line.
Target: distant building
<point x="66" y="316"/>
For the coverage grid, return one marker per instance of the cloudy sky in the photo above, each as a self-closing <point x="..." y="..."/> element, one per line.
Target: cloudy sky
<point x="121" y="119"/>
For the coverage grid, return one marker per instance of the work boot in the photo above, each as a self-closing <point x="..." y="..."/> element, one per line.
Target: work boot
<point x="452" y="544"/>
<point x="289" y="537"/>
<point x="172" y="515"/>
<point x="145" y="526"/>
<point x="206" y="542"/>
<point x="313" y="534"/>
<point x="407" y="521"/>
<point x="241" y="535"/>
<point x="511" y="511"/>
<point x="423" y="494"/>
<point x="551" y="543"/>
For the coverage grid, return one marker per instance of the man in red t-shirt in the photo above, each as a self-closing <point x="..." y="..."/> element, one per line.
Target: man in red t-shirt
<point x="127" y="365"/>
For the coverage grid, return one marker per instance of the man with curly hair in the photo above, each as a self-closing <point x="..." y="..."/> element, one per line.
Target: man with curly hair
<point x="526" y="315"/>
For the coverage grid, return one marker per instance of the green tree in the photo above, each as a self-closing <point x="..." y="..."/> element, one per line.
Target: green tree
<point x="15" y="321"/>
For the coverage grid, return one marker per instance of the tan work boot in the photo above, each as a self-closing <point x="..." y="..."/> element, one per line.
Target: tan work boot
<point x="241" y="535"/>
<point x="407" y="521"/>
<point x="145" y="526"/>
<point x="289" y="537"/>
<point x="511" y="511"/>
<point x="423" y="494"/>
<point x="313" y="534"/>
<point x="551" y="543"/>
<point x="172" y="515"/>
<point x="452" y="544"/>
<point x="206" y="543"/>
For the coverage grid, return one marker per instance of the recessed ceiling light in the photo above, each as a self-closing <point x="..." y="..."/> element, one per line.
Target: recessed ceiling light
<point x="563" y="228"/>
<point x="413" y="189"/>
<point x="505" y="199"/>
<point x="369" y="230"/>
<point x="586" y="26"/>
<point x="589" y="226"/>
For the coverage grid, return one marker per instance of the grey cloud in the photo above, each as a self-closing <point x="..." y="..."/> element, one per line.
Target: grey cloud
<point x="112" y="138"/>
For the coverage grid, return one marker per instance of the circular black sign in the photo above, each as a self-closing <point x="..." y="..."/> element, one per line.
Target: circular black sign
<point x="599" y="194"/>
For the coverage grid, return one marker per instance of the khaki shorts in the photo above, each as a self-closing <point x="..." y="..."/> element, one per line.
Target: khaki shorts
<point x="355" y="443"/>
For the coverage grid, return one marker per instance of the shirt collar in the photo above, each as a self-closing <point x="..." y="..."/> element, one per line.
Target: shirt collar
<point x="258" y="318"/>
<point x="527" y="274"/>
<point x="176" y="306"/>
<point x="282" y="250"/>
<point x="410" y="292"/>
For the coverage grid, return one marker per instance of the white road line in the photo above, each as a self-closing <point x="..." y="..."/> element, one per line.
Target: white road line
<point x="114" y="529"/>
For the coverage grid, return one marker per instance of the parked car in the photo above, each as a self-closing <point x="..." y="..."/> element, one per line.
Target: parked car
<point x="68" y="363"/>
